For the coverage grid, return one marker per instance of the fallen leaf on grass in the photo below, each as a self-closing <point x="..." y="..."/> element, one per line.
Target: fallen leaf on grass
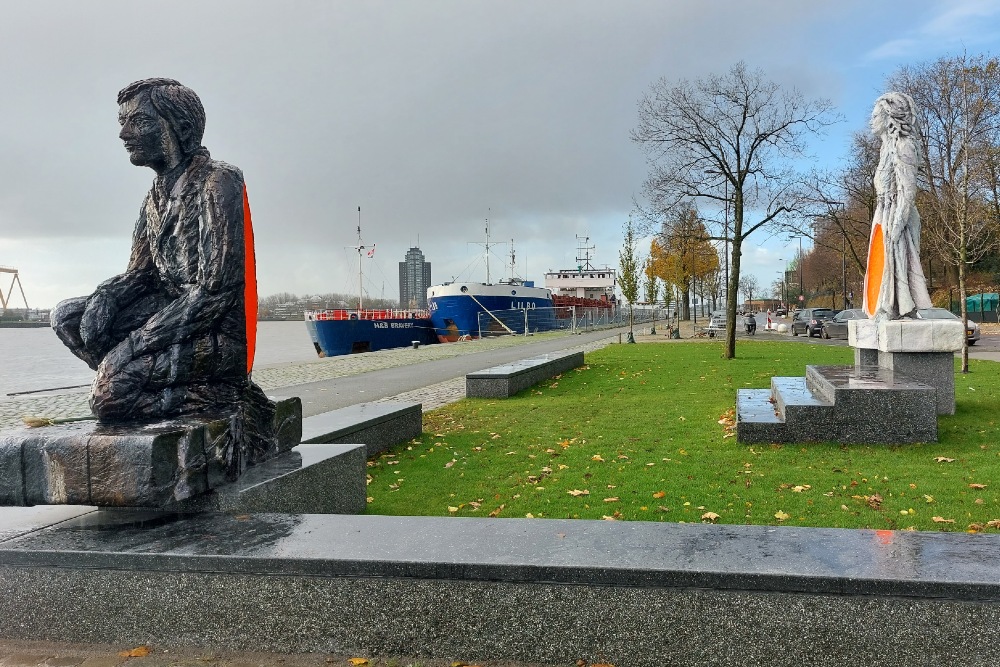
<point x="800" y="489"/>
<point x="137" y="652"/>
<point x="995" y="523"/>
<point x="938" y="519"/>
<point x="358" y="662"/>
<point x="977" y="486"/>
<point x="660" y="494"/>
<point x="578" y="492"/>
<point x="874" y="501"/>
<point x="615" y="499"/>
<point x="452" y="509"/>
<point x="710" y="516"/>
<point x="495" y="513"/>
<point x="781" y="516"/>
<point x="943" y="459"/>
<point x="597" y="457"/>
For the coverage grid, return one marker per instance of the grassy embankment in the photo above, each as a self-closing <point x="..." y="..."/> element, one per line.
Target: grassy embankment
<point x="635" y="435"/>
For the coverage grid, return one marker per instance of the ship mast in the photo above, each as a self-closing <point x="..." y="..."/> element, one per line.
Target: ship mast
<point x="361" y="279"/>
<point x="488" y="250"/>
<point x="584" y="249"/>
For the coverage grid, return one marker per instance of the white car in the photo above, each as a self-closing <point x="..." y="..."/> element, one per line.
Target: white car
<point x="971" y="331"/>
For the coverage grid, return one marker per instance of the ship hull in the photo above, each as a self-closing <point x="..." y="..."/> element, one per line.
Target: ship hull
<point x="338" y="337"/>
<point x="457" y="310"/>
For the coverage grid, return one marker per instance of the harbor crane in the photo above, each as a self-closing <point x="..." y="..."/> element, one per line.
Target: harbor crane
<point x="5" y="300"/>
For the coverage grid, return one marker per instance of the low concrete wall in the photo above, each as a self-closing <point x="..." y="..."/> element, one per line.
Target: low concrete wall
<point x="493" y="589"/>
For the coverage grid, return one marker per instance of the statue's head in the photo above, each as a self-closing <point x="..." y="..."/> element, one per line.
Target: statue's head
<point x="162" y="122"/>
<point x="894" y="114"/>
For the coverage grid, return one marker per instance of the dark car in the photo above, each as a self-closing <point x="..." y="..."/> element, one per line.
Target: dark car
<point x="809" y="321"/>
<point x="836" y="326"/>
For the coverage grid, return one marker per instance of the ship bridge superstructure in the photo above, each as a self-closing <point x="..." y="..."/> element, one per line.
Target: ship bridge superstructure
<point x="585" y="281"/>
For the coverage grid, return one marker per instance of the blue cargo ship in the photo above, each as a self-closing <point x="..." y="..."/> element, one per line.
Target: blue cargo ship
<point x="337" y="332"/>
<point x="469" y="310"/>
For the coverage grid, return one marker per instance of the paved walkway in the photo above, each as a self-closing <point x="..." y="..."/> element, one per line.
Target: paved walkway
<point x="280" y="378"/>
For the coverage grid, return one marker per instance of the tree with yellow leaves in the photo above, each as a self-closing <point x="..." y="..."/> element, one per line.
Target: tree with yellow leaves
<point x="682" y="255"/>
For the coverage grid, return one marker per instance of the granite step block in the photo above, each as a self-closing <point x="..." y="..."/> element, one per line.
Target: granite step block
<point x="756" y="418"/>
<point x="796" y="402"/>
<point x="877" y="405"/>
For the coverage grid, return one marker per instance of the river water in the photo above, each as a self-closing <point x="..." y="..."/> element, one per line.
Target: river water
<point x="32" y="359"/>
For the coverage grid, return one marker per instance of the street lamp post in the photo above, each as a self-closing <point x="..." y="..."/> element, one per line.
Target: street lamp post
<point x="784" y="284"/>
<point x="801" y="286"/>
<point x="843" y="255"/>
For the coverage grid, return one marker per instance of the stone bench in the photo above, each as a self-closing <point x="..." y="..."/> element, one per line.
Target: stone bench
<point x="508" y="379"/>
<point x="378" y="426"/>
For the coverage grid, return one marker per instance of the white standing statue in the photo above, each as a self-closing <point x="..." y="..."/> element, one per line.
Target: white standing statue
<point x="894" y="280"/>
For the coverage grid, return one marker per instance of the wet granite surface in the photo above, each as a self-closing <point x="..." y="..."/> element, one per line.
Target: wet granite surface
<point x="861" y="562"/>
<point x="550" y="591"/>
<point x="309" y="479"/>
<point x="847" y="404"/>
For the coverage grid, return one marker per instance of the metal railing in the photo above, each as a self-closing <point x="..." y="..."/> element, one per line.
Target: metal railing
<point x="524" y="321"/>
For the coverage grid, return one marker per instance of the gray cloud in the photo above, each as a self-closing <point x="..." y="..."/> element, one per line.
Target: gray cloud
<point x="427" y="115"/>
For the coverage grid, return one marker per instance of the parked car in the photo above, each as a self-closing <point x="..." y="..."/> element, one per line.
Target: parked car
<point x="971" y="331"/>
<point x="809" y="321"/>
<point x="836" y="326"/>
<point x="781" y="311"/>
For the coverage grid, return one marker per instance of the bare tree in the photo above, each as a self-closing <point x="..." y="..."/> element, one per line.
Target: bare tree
<point x="958" y="98"/>
<point x="728" y="140"/>
<point x="749" y="286"/>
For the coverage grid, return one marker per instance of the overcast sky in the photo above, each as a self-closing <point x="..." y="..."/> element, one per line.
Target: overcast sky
<point x="431" y="116"/>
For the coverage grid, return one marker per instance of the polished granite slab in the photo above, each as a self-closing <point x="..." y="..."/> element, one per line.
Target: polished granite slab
<point x="759" y="558"/>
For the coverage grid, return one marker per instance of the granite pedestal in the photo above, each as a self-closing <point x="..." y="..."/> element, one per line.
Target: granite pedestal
<point x="847" y="404"/>
<point x="129" y="465"/>
<point x="921" y="349"/>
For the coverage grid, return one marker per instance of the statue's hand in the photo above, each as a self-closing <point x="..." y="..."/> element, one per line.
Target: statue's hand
<point x="97" y="319"/>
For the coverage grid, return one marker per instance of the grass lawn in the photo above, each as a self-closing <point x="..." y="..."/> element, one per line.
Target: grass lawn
<point x="635" y="435"/>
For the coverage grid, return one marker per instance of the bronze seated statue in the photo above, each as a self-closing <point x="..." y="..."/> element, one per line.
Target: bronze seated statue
<point x="174" y="334"/>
